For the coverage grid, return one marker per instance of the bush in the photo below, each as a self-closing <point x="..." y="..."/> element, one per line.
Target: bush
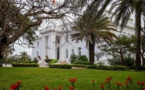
<point x="65" y="66"/>
<point x="83" y="58"/>
<point x="51" y="60"/>
<point x="78" y="65"/>
<point x="73" y="58"/>
<point x="81" y="62"/>
<point x="120" y="68"/>
<point x="92" y="67"/>
<point x="128" y="61"/>
<point x="25" y="65"/>
<point x="114" y="61"/>
<point x="0" y="65"/>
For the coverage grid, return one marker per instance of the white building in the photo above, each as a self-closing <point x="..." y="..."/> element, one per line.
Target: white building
<point x="57" y="44"/>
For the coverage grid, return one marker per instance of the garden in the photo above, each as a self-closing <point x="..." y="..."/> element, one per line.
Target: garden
<point x="64" y="79"/>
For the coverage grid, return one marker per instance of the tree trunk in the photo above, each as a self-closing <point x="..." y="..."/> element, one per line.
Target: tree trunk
<point x="91" y="53"/>
<point x="138" y="33"/>
<point x="122" y="58"/>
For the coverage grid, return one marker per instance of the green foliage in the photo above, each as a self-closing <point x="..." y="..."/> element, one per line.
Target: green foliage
<point x="83" y="58"/>
<point x="129" y="61"/>
<point x="25" y="65"/>
<point x="79" y="65"/>
<point x="114" y="61"/>
<point x="120" y="68"/>
<point x="73" y="57"/>
<point x="0" y="65"/>
<point x="51" y="60"/>
<point x="92" y="67"/>
<point x="35" y="60"/>
<point x="81" y="62"/>
<point x="64" y="66"/>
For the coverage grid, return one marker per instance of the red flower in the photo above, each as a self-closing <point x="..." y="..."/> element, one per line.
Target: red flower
<point x="60" y="88"/>
<point x="143" y="83"/>
<point x="71" y="88"/>
<point x="102" y="86"/>
<point x="126" y="82"/>
<point x="138" y="82"/>
<point x="54" y="89"/>
<point x="72" y="80"/>
<point x="106" y="81"/>
<point x="129" y="78"/>
<point x="93" y="81"/>
<point x="46" y="88"/>
<point x="109" y="78"/>
<point x="14" y="86"/>
<point x="118" y="84"/>
<point x="19" y="82"/>
<point x="143" y="89"/>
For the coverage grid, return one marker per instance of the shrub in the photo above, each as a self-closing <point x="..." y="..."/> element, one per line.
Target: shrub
<point x="114" y="61"/>
<point x="79" y="65"/>
<point x="81" y="62"/>
<point x="0" y="65"/>
<point x="53" y="61"/>
<point x="64" y="66"/>
<point x="92" y="67"/>
<point x="35" y="60"/>
<point x="25" y="65"/>
<point x="83" y="58"/>
<point x="73" y="58"/>
<point x="120" y="68"/>
<point x="129" y="61"/>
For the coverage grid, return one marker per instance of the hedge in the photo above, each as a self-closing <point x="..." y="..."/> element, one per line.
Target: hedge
<point x="79" y="65"/>
<point x="25" y="65"/>
<point x="64" y="66"/>
<point x="81" y="62"/>
<point x="121" y="68"/>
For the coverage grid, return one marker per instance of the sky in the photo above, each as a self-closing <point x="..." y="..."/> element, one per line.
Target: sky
<point x="19" y="49"/>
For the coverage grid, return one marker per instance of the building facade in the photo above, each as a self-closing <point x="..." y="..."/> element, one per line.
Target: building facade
<point x="57" y="44"/>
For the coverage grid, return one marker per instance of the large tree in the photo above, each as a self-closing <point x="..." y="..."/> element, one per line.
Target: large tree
<point x="122" y="13"/>
<point x="93" y="30"/>
<point x="121" y="47"/>
<point x="19" y="18"/>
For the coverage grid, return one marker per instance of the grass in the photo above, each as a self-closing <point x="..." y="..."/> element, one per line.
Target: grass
<point x="37" y="78"/>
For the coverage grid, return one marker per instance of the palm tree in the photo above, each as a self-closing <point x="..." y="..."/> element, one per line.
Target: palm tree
<point x="93" y="30"/>
<point x="123" y="10"/>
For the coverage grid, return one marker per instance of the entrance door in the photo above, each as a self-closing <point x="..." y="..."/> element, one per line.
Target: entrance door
<point x="58" y="53"/>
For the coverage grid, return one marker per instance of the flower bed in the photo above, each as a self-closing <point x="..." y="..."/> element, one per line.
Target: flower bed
<point x="128" y="84"/>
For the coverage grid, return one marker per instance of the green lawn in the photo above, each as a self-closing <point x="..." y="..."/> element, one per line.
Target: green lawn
<point x="37" y="78"/>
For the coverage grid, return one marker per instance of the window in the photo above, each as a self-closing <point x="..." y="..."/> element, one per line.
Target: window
<point x="37" y="53"/>
<point x="58" y="41"/>
<point x="66" y="38"/>
<point x="79" y="51"/>
<point x="37" y="44"/>
<point x="72" y="51"/>
<point x="66" y="53"/>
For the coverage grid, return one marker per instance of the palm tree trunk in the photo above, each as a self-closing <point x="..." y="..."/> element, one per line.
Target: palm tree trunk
<point x="122" y="58"/>
<point x="91" y="53"/>
<point x="138" y="33"/>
